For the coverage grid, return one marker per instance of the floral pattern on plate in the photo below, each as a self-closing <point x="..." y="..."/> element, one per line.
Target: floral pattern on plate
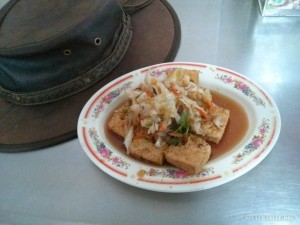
<point x="105" y="153"/>
<point x="108" y="98"/>
<point x="241" y="86"/>
<point x="174" y="173"/>
<point x="256" y="141"/>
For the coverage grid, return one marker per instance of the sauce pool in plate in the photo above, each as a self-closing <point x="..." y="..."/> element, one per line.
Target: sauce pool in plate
<point x="236" y="128"/>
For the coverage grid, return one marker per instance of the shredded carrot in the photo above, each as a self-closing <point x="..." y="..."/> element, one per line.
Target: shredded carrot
<point x="176" y="134"/>
<point x="173" y="89"/>
<point x="159" y="91"/>
<point x="162" y="127"/>
<point x="208" y="103"/>
<point x="149" y="93"/>
<point x="202" y="112"/>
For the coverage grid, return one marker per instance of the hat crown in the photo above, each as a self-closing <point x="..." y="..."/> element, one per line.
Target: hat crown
<point x="58" y="48"/>
<point x="32" y="21"/>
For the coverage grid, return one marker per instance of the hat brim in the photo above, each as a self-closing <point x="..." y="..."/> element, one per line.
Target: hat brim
<point x="156" y="39"/>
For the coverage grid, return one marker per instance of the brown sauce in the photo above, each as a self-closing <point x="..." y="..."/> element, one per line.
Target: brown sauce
<point x="235" y="131"/>
<point x="236" y="128"/>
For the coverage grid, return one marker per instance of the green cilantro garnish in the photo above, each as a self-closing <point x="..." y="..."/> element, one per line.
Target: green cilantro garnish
<point x="178" y="134"/>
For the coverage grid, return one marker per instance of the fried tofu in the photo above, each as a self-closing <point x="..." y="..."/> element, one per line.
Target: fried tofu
<point x="179" y="74"/>
<point x="143" y="149"/>
<point x="119" y="120"/>
<point x="212" y="132"/>
<point x="140" y="147"/>
<point x="190" y="157"/>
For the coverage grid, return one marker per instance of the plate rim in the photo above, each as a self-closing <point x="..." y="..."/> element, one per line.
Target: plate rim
<point x="175" y="188"/>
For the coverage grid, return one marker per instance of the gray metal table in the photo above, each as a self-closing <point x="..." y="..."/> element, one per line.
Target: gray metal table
<point x="60" y="185"/>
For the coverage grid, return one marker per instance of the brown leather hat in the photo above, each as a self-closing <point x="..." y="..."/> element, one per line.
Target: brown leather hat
<point x="54" y="55"/>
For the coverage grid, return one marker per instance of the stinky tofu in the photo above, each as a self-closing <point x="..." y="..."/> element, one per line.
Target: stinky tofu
<point x="141" y="148"/>
<point x="190" y="157"/>
<point x="214" y="128"/>
<point x="119" y="120"/>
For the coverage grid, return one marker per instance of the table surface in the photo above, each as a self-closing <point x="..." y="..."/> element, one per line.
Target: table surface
<point x="60" y="185"/>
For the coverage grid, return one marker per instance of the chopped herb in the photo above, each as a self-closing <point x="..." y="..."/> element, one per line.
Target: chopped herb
<point x="174" y="141"/>
<point x="180" y="133"/>
<point x="148" y="124"/>
<point x="184" y="122"/>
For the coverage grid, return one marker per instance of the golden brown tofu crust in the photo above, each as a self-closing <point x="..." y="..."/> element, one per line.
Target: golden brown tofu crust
<point x="119" y="120"/>
<point x="190" y="157"/>
<point x="143" y="149"/>
<point x="211" y="132"/>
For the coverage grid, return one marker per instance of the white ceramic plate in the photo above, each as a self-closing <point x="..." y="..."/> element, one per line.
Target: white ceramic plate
<point x="263" y="132"/>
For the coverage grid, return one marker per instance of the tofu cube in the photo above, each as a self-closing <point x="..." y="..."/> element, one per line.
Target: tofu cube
<point x="119" y="120"/>
<point x="143" y="149"/>
<point x="214" y="128"/>
<point x="190" y="157"/>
